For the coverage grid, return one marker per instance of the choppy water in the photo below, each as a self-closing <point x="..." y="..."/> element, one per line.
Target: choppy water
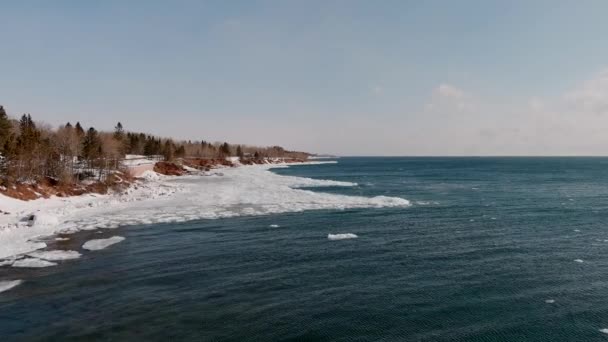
<point x="487" y="242"/>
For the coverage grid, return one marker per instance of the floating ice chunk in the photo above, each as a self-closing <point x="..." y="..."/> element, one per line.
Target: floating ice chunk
<point x="550" y="301"/>
<point x="97" y="244"/>
<point x="605" y="331"/>
<point x="55" y="255"/>
<point x="577" y="230"/>
<point x="341" y="236"/>
<point x="274" y="226"/>
<point x="6" y="285"/>
<point x="578" y="260"/>
<point x="33" y="263"/>
<point x="62" y="239"/>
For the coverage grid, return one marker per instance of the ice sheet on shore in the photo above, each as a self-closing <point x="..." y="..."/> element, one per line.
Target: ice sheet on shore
<point x="342" y="236"/>
<point x="97" y="244"/>
<point x="6" y="285"/>
<point x="247" y="190"/>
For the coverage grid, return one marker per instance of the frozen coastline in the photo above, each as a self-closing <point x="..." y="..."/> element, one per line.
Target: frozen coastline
<point x="245" y="190"/>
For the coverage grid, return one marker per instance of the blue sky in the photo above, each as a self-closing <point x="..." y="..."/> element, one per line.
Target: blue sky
<point x="347" y="77"/>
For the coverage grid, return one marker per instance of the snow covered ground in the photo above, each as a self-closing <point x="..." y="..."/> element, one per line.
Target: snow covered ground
<point x="246" y="190"/>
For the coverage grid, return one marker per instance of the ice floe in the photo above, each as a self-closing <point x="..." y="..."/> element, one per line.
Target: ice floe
<point x="97" y="244"/>
<point x="55" y="255"/>
<point x="32" y="263"/>
<point x="6" y="285"/>
<point x="578" y="260"/>
<point x="274" y="226"/>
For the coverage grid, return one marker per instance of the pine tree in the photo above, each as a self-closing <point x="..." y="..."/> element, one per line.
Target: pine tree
<point x="119" y="132"/>
<point x="224" y="150"/>
<point x="180" y="152"/>
<point x="239" y="152"/>
<point x="79" y="130"/>
<point x="91" y="145"/>
<point x="168" y="150"/>
<point x="5" y="129"/>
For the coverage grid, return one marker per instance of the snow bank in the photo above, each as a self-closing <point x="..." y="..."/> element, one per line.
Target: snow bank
<point x="341" y="236"/>
<point x="97" y="244"/>
<point x="246" y="190"/>
<point x="55" y="255"/>
<point x="150" y="175"/>
<point x="6" y="285"/>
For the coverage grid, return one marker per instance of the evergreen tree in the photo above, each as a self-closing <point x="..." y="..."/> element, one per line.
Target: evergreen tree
<point x="68" y="125"/>
<point x="239" y="152"/>
<point x="79" y="130"/>
<point x="5" y="129"/>
<point x="91" y="145"/>
<point x="119" y="132"/>
<point x="180" y="152"/>
<point x="224" y="150"/>
<point x="168" y="150"/>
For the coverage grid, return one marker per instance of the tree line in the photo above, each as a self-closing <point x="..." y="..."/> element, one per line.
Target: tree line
<point x="30" y="151"/>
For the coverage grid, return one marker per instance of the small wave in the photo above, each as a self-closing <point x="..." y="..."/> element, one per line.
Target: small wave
<point x="97" y="244"/>
<point x="579" y="260"/>
<point x="6" y="285"/>
<point x="550" y="301"/>
<point x="274" y="226"/>
<point x="341" y="236"/>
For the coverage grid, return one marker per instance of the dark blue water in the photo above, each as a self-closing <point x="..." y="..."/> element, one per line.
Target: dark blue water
<point x="486" y="242"/>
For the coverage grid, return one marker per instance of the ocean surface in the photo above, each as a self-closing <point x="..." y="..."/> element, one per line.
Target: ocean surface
<point x="491" y="249"/>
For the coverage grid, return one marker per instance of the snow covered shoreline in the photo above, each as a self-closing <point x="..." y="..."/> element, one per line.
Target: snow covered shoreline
<point x="245" y="190"/>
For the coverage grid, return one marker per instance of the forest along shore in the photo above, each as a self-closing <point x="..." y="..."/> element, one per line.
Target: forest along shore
<point x="39" y="161"/>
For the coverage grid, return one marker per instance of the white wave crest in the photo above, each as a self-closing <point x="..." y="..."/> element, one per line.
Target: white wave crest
<point x="341" y="236"/>
<point x="97" y="244"/>
<point x="6" y="285"/>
